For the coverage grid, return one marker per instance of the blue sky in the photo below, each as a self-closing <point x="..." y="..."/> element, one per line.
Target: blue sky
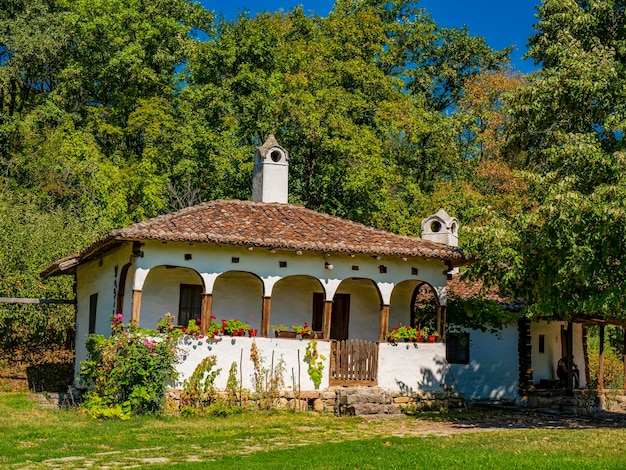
<point x="502" y="22"/>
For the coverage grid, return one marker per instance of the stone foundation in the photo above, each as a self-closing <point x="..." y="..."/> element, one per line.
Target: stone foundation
<point x="361" y="401"/>
<point x="320" y="401"/>
<point x="582" y="402"/>
<point x="350" y="401"/>
<point x="613" y="400"/>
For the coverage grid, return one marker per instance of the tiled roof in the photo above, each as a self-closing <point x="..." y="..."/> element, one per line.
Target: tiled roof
<point x="466" y="289"/>
<point x="269" y="225"/>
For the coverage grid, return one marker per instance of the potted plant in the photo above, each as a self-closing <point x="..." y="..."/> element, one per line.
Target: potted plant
<point x="281" y="331"/>
<point x="234" y="327"/>
<point x="398" y="334"/>
<point x="303" y="330"/>
<point x="429" y="337"/>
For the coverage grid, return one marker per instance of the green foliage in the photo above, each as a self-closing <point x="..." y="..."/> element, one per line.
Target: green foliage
<point x="268" y="382"/>
<point x="233" y="387"/>
<point x="198" y="390"/>
<point x="479" y="313"/>
<point x="315" y="361"/>
<point x="613" y="357"/>
<point x="564" y="252"/>
<point x="128" y="371"/>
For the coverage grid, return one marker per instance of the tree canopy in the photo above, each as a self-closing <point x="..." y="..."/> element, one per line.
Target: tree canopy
<point x="112" y="111"/>
<point x="564" y="253"/>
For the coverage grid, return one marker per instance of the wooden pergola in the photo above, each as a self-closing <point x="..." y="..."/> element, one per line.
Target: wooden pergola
<point x="586" y="321"/>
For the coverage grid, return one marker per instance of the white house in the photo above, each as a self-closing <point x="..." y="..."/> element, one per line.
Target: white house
<point x="268" y="262"/>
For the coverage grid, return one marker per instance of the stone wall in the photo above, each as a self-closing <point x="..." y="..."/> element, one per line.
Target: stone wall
<point x="613" y="400"/>
<point x="320" y="401"/>
<point x="361" y="401"/>
<point x="350" y="401"/>
<point x="582" y="402"/>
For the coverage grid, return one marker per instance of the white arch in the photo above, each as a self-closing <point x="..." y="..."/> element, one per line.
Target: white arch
<point x="139" y="278"/>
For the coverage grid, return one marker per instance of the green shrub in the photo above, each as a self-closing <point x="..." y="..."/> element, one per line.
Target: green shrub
<point x="128" y="371"/>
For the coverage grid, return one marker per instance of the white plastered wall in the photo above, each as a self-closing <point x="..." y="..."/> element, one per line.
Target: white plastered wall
<point x="100" y="277"/>
<point x="237" y="349"/>
<point x="411" y="367"/>
<point x="493" y="369"/>
<point x="238" y="287"/>
<point x="544" y="364"/>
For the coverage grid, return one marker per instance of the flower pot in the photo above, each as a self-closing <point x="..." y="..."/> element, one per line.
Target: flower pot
<point x="285" y="334"/>
<point x="432" y="339"/>
<point x="314" y="335"/>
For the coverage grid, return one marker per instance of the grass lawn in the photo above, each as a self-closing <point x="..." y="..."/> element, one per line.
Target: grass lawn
<point x="36" y="438"/>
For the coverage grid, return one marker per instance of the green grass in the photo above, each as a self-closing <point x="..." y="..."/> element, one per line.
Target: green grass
<point x="37" y="438"/>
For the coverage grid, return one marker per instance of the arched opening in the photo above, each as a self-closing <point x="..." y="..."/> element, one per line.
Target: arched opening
<point x="415" y="304"/>
<point x="295" y="302"/>
<point x="171" y="289"/>
<point x="425" y="308"/>
<point x="121" y="289"/>
<point x="356" y="310"/>
<point x="238" y="295"/>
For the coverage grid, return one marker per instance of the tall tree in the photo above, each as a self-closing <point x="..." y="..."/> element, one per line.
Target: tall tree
<point x="566" y="253"/>
<point x="356" y="98"/>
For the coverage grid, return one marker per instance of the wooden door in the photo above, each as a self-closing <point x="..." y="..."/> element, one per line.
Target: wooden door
<point x="340" y="316"/>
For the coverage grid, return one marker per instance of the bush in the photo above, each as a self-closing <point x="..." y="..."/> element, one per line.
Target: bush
<point x="128" y="372"/>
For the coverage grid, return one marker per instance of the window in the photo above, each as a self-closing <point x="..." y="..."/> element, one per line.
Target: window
<point x="93" y="307"/>
<point x="190" y="303"/>
<point x="542" y="343"/>
<point x="457" y="348"/>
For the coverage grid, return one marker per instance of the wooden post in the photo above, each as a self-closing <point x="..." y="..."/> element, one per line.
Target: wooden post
<point x="327" y="318"/>
<point x="265" y="316"/>
<point x="136" y="308"/>
<point x="442" y="310"/>
<point x="383" y="325"/>
<point x="624" y="356"/>
<point x="205" y="312"/>
<point x="601" y="361"/>
<point x="601" y="395"/>
<point x="570" y="357"/>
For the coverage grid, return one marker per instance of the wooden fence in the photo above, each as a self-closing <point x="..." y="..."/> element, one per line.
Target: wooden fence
<point x="353" y="362"/>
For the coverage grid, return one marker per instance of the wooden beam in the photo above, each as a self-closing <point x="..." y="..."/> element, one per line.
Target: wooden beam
<point x="265" y="316"/>
<point x="570" y="357"/>
<point x="383" y="325"/>
<point x="20" y="300"/>
<point x="205" y="312"/>
<point x="601" y="361"/>
<point x="136" y="308"/>
<point x="327" y="318"/>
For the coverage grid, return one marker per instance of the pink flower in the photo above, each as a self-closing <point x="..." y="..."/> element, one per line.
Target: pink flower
<point x="148" y="344"/>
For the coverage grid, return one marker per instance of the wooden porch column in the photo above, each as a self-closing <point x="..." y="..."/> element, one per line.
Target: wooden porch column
<point x="265" y="316"/>
<point x="601" y="361"/>
<point x="442" y="327"/>
<point x="570" y="357"/>
<point x="327" y="318"/>
<point x="383" y="325"/>
<point x="136" y="308"/>
<point x="205" y="312"/>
